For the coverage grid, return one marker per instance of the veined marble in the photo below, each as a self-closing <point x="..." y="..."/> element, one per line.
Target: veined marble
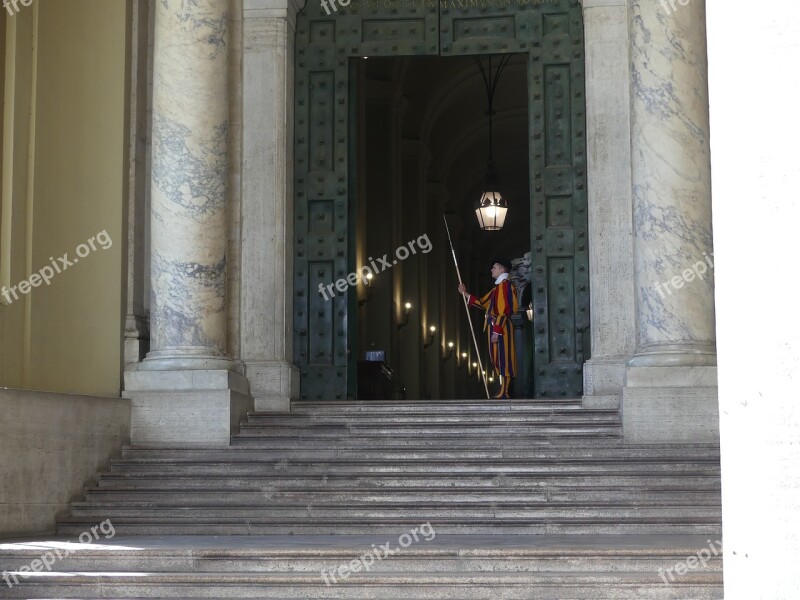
<point x="671" y="181"/>
<point x="189" y="182"/>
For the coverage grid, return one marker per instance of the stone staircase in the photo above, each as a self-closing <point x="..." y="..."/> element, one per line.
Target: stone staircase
<point x="479" y="499"/>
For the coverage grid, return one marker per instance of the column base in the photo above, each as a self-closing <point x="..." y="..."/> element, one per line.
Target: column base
<point x="603" y="380"/>
<point x="605" y="402"/>
<point x="604" y="376"/>
<point x="186" y="407"/>
<point x="273" y="384"/>
<point x="136" y="340"/>
<point x="188" y="358"/>
<point x="676" y="355"/>
<point x="664" y="405"/>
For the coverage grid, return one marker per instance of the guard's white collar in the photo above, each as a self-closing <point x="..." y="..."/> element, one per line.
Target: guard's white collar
<point x="502" y="277"/>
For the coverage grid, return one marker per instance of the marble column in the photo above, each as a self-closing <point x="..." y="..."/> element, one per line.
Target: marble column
<point x="184" y="389"/>
<point x="670" y="392"/>
<point x="189" y="185"/>
<point x="671" y="186"/>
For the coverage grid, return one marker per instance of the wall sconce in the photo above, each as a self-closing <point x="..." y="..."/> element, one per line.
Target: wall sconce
<point x="431" y="335"/>
<point x="367" y="290"/>
<point x="406" y="313"/>
<point x="450" y="346"/>
<point x="530" y="311"/>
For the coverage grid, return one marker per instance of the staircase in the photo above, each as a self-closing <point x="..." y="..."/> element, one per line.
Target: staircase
<point x="477" y="499"/>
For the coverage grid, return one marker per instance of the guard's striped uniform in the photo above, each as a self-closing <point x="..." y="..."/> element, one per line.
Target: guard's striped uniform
<point x="500" y="303"/>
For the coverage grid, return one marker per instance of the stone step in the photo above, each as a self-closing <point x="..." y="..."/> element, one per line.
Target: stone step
<point x="448" y="468"/>
<point x="401" y="497"/>
<point x="401" y="452"/>
<point x="543" y="457"/>
<point x="470" y="419"/>
<point x="74" y="526"/>
<point x="610" y="454"/>
<point x="415" y="480"/>
<point x="323" y="406"/>
<point x="418" y="550"/>
<point x="610" y="427"/>
<point x="523" y="511"/>
<point x="430" y="552"/>
<point x="437" y="442"/>
<point x="124" y="561"/>
<point x="418" y="585"/>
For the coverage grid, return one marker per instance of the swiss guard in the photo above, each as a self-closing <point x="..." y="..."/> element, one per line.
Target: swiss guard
<point x="499" y="303"/>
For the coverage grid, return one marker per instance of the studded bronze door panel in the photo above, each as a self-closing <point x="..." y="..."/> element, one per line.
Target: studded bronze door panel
<point x="559" y="227"/>
<point x="322" y="214"/>
<point x="551" y="33"/>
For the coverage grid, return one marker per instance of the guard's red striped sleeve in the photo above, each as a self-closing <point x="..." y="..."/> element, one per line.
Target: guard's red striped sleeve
<point x="481" y="302"/>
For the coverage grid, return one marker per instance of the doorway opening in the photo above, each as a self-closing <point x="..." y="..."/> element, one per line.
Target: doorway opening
<point x="414" y="109"/>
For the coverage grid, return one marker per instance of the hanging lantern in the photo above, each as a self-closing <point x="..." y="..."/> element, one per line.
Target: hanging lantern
<point x="492" y="211"/>
<point x="492" y="207"/>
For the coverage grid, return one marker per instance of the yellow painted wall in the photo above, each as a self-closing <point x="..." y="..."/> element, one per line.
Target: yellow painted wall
<point x="13" y="226"/>
<point x="71" y="190"/>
